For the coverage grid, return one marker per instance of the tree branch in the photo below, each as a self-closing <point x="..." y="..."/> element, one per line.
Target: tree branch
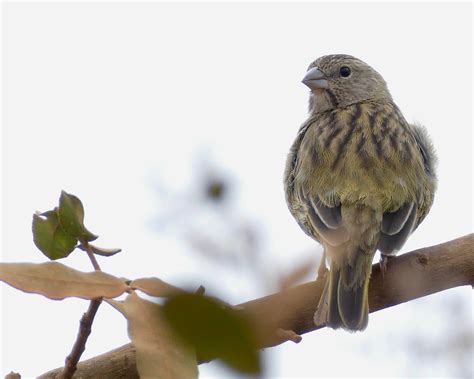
<point x="410" y="276"/>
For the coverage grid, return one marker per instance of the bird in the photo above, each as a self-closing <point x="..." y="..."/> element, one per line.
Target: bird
<point x="358" y="178"/>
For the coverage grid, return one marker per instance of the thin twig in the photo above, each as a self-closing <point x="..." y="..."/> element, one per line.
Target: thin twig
<point x="85" y="326"/>
<point x="81" y="339"/>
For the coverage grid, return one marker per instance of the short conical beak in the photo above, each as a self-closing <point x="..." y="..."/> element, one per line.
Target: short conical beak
<point x="315" y="79"/>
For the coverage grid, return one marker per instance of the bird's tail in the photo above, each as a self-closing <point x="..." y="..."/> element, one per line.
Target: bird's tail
<point x="344" y="302"/>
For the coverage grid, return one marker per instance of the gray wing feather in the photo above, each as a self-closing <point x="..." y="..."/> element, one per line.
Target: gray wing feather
<point x="393" y="222"/>
<point x="331" y="216"/>
<point x="329" y="226"/>
<point x="390" y="244"/>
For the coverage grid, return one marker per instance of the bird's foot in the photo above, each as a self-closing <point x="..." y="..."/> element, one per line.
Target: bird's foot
<point x="383" y="264"/>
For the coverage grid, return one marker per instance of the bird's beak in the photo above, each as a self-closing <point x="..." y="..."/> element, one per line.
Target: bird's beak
<point x="315" y="79"/>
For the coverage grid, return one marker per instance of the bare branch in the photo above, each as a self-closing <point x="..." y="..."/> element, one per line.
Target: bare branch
<point x="410" y="276"/>
<point x="85" y="326"/>
<point x="80" y="344"/>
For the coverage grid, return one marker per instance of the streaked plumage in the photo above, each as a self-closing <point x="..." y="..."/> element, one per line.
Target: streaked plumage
<point x="358" y="178"/>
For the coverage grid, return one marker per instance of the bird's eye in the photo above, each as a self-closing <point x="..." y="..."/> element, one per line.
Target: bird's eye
<point x="345" y="71"/>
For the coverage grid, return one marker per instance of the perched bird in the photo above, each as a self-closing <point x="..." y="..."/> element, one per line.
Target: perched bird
<point x="359" y="178"/>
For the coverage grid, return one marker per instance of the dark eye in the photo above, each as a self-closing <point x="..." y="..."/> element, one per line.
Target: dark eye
<point x="345" y="71"/>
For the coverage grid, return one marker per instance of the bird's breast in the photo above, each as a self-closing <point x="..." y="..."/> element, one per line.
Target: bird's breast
<point x="364" y="151"/>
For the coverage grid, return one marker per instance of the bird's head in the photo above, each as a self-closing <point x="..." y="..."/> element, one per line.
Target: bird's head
<point x="338" y="80"/>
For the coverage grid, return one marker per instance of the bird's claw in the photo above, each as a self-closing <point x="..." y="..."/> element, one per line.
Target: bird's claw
<point x="383" y="265"/>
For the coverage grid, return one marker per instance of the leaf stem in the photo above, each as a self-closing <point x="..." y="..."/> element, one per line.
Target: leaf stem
<point x="90" y="253"/>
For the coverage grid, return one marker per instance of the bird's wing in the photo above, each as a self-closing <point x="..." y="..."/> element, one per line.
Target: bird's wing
<point x="396" y="228"/>
<point x="326" y="221"/>
<point x="398" y="225"/>
<point x="426" y="148"/>
<point x="393" y="222"/>
<point x="429" y="161"/>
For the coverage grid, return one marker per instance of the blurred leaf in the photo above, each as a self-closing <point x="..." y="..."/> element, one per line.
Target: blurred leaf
<point x="160" y="354"/>
<point x="215" y="330"/>
<point x="50" y="238"/>
<point x="155" y="287"/>
<point x="57" y="281"/>
<point x="71" y="217"/>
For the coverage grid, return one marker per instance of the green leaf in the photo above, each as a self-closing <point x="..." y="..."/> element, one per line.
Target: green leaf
<point x="71" y="217"/>
<point x="50" y="238"/>
<point x="160" y="353"/>
<point x="215" y="330"/>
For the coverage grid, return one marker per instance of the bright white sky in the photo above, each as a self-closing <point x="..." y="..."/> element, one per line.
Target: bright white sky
<point x="103" y="100"/>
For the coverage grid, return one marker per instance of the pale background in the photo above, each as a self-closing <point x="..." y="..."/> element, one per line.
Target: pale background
<point x="105" y="100"/>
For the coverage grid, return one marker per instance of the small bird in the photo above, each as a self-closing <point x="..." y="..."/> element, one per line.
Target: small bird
<point x="358" y="178"/>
